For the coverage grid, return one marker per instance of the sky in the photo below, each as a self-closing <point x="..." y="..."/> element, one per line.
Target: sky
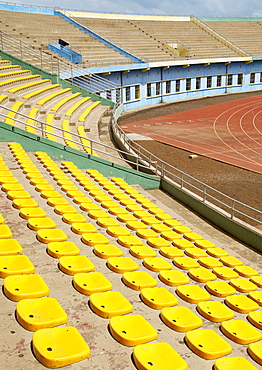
<point x="220" y="8"/>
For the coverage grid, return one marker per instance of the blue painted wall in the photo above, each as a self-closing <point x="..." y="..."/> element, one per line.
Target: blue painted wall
<point x="27" y="9"/>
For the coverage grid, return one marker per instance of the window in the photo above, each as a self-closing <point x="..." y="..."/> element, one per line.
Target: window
<point x="158" y="88"/>
<point x="229" y="80"/>
<point x="128" y="97"/>
<point x="198" y="83"/>
<point x="148" y="87"/>
<point x="240" y="79"/>
<point x="168" y="87"/>
<point x="188" y="84"/>
<point x="177" y="85"/>
<point x="219" y="81"/>
<point x="137" y="92"/>
<point x="252" y="77"/>
<point x="209" y="82"/>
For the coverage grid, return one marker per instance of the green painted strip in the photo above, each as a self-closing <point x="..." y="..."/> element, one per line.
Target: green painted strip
<point x="59" y="152"/>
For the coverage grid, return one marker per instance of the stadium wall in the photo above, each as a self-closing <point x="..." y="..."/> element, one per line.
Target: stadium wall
<point x="26" y="9"/>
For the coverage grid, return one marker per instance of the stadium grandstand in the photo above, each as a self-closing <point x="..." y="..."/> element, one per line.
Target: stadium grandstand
<point x="110" y="257"/>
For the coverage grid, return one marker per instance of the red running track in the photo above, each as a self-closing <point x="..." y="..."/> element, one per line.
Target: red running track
<point x="230" y="132"/>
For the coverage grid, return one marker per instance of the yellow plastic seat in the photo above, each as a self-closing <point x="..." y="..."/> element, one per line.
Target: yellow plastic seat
<point x="202" y="275"/>
<point x="153" y="211"/>
<point x="106" y="222"/>
<point x="192" y="293"/>
<point x="193" y="236"/>
<point x="146" y="234"/>
<point x="209" y="262"/>
<point x="182" y="229"/>
<point x="44" y="187"/>
<point x="243" y="285"/>
<point x="72" y="265"/>
<point x="142" y="251"/>
<point x="207" y="344"/>
<point x="129" y="241"/>
<point x="117" y="211"/>
<point x="36" y="223"/>
<point x="233" y="363"/>
<point x="83" y="227"/>
<point x="93" y="282"/>
<point x="126" y="218"/>
<point x="231" y="261"/>
<point x="138" y="280"/>
<point x="257" y="280"/>
<point x="17" y="287"/>
<point x="255" y="318"/>
<point x="69" y="187"/>
<point x="8" y="179"/>
<point x="38" y="313"/>
<point x="55" y="202"/>
<point x="28" y="213"/>
<point x="150" y="205"/>
<point x="11" y="187"/>
<point x="255" y="351"/>
<point x="75" y="193"/>
<point x="39" y="181"/>
<point x="158" y="298"/>
<point x="82" y="200"/>
<point x="186" y="263"/>
<point x="240" y="331"/>
<point x="157" y="264"/>
<point x="171" y="252"/>
<point x="107" y="250"/>
<point x="141" y="214"/>
<point x="131" y="330"/>
<point x="51" y="235"/>
<point x="246" y="271"/>
<point x="71" y="218"/>
<point x="16" y="194"/>
<point x="217" y="252"/>
<point x="88" y="207"/>
<point x="158" y="356"/>
<point x="158" y="242"/>
<point x="220" y="288"/>
<point x="180" y="319"/>
<point x="241" y="303"/>
<point x="150" y="221"/>
<point x="50" y="194"/>
<point x="225" y="273"/>
<point x="256" y="296"/>
<point x="58" y="347"/>
<point x="136" y="225"/>
<point x="15" y="265"/>
<point x="110" y="304"/>
<point x="10" y="247"/>
<point x="161" y="216"/>
<point x="24" y="203"/>
<point x="59" y="249"/>
<point x="215" y="311"/>
<point x="170" y="235"/>
<point x="5" y="232"/>
<point x="160" y="228"/>
<point x="182" y="244"/>
<point x="98" y="214"/>
<point x="108" y="204"/>
<point x="173" y="277"/>
<point x="195" y="253"/>
<point x="117" y="231"/>
<point x="122" y="264"/>
<point x="94" y="238"/>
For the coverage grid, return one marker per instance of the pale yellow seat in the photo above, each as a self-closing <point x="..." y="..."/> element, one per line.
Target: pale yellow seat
<point x="195" y="253"/>
<point x="72" y="265"/>
<point x="82" y="200"/>
<point x="93" y="282"/>
<point x="170" y="235"/>
<point x="246" y="271"/>
<point x="117" y="211"/>
<point x="207" y="344"/>
<point x="182" y="229"/>
<point x="51" y="235"/>
<point x="217" y="252"/>
<point x="50" y="194"/>
<point x="146" y="234"/>
<point x="62" y="209"/>
<point x="215" y="311"/>
<point x="131" y="330"/>
<point x="15" y="265"/>
<point x="11" y="187"/>
<point x="117" y="231"/>
<point x="24" y="203"/>
<point x="36" y="223"/>
<point x="233" y="363"/>
<point x="10" y="247"/>
<point x="136" y="225"/>
<point x="202" y="275"/>
<point x="129" y="241"/>
<point x="255" y="351"/>
<point x="44" y="187"/>
<point x="154" y="211"/>
<point x="192" y="293"/>
<point x="98" y="214"/>
<point x="38" y="313"/>
<point x="107" y="250"/>
<point x="88" y="207"/>
<point x="75" y="193"/>
<point x="122" y="264"/>
<point x="241" y="303"/>
<point x="28" y="213"/>
<point x="59" y="249"/>
<point x="102" y="198"/>
<point x="8" y="179"/>
<point x="72" y="218"/>
<point x="16" y="194"/>
<point x="141" y="214"/>
<point x="94" y="238"/>
<point x="160" y="228"/>
<point x="240" y="331"/>
<point x="171" y="252"/>
<point x="193" y="236"/>
<point x="150" y="221"/>
<point x="157" y="264"/>
<point x="83" y="227"/>
<point x="186" y="263"/>
<point x="158" y="242"/>
<point x="256" y="296"/>
<point x="158" y="298"/>
<point x="243" y="285"/>
<point x="55" y="202"/>
<point x="220" y="288"/>
<point x="110" y="304"/>
<point x="17" y="287"/>
<point x="173" y="277"/>
<point x="158" y="356"/>
<point x="182" y="244"/>
<point x="225" y="273"/>
<point x="142" y="251"/>
<point x="138" y="280"/>
<point x="106" y="222"/>
<point x="231" y="261"/>
<point x="209" y="262"/>
<point x="61" y="346"/>
<point x="126" y="218"/>
<point x="257" y="280"/>
<point x="255" y="317"/>
<point x="180" y="319"/>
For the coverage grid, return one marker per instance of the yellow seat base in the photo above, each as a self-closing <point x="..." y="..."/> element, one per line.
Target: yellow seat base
<point x="225" y="273"/>
<point x="5" y="232"/>
<point x="70" y="218"/>
<point x="158" y="298"/>
<point x="36" y="223"/>
<point x="142" y="251"/>
<point x="158" y="242"/>
<point x="51" y="235"/>
<point x="157" y="264"/>
<point x="186" y="263"/>
<point x="173" y="277"/>
<point x="182" y="244"/>
<point x="195" y="253"/>
<point x="57" y="347"/>
<point x="28" y="213"/>
<point x="192" y="293"/>
<point x="59" y="249"/>
<point x="64" y="209"/>
<point x="94" y="238"/>
<point x="217" y="252"/>
<point x="107" y="250"/>
<point x="233" y="363"/>
<point x="256" y="296"/>
<point x="255" y="351"/>
<point x="93" y="282"/>
<point x="17" y="287"/>
<point x="138" y="280"/>
<point x="202" y="275"/>
<point x="10" y="247"/>
<point x="72" y="265"/>
<point x="243" y="285"/>
<point x="215" y="311"/>
<point x="15" y="265"/>
<point x="241" y="303"/>
<point x="240" y="331"/>
<point x="171" y="252"/>
<point x="122" y="264"/>
<point x="106" y="222"/>
<point x="220" y="288"/>
<point x="83" y="227"/>
<point x="180" y="319"/>
<point x="129" y="241"/>
<point x="204" y="244"/>
<point x="255" y="318"/>
<point x="110" y="304"/>
<point x="117" y="231"/>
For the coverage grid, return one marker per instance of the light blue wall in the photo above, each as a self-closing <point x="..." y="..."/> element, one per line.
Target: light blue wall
<point x="27" y="9"/>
